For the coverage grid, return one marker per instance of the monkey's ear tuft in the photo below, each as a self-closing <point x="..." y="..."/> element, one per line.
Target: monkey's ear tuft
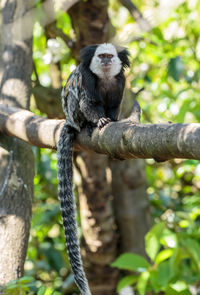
<point x="87" y="53"/>
<point x="124" y="57"/>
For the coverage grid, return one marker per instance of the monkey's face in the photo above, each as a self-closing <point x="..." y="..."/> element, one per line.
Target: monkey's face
<point x="105" y="61"/>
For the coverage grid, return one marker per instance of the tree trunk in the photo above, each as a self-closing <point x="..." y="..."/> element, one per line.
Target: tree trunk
<point x="16" y="157"/>
<point x="131" y="204"/>
<point x="99" y="247"/>
<point x="90" y="22"/>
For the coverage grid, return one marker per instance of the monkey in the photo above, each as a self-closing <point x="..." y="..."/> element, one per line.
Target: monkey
<point x="91" y="98"/>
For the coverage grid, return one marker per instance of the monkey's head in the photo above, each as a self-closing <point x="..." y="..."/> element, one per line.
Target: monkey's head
<point x="104" y="60"/>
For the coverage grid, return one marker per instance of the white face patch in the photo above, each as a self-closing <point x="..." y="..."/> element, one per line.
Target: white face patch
<point x="96" y="66"/>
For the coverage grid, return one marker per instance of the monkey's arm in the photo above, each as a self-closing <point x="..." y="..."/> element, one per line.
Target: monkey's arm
<point x="94" y="113"/>
<point x="91" y="111"/>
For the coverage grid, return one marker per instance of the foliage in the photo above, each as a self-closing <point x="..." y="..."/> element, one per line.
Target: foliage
<point x="26" y="285"/>
<point x="175" y="261"/>
<point x="166" y="62"/>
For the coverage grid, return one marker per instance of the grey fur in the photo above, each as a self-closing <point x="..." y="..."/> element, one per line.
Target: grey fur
<point x="88" y="101"/>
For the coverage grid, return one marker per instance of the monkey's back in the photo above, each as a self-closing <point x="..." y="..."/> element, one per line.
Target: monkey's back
<point x="71" y="96"/>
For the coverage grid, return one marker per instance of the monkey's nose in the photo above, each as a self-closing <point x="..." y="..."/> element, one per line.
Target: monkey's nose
<point x="106" y="62"/>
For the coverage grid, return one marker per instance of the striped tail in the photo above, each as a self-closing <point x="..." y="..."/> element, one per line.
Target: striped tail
<point x="65" y="194"/>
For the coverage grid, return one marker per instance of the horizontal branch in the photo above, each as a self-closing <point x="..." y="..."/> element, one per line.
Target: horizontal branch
<point x="121" y="139"/>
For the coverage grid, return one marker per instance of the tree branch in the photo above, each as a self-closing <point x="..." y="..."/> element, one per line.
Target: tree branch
<point x="54" y="32"/>
<point x="122" y="139"/>
<point x="137" y="15"/>
<point x="48" y="101"/>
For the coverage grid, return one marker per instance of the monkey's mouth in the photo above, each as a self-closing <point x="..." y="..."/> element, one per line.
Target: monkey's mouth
<point x="106" y="65"/>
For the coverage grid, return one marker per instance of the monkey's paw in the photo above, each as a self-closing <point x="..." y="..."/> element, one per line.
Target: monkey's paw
<point x="102" y="122"/>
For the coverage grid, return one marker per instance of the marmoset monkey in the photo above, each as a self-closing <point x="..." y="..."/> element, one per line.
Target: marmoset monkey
<point x="91" y="98"/>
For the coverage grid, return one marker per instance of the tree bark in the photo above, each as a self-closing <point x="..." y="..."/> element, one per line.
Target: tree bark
<point x="16" y="158"/>
<point x="122" y="139"/>
<point x="90" y="23"/>
<point x="98" y="222"/>
<point x="48" y="101"/>
<point x="131" y="203"/>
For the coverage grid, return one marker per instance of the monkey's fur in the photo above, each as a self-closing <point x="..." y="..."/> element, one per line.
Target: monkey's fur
<point x="91" y="98"/>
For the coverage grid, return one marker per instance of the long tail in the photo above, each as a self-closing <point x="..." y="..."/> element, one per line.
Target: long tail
<point x="65" y="189"/>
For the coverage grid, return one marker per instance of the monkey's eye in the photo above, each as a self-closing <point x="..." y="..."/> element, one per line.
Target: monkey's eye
<point x="105" y="55"/>
<point x="101" y="55"/>
<point x="109" y="55"/>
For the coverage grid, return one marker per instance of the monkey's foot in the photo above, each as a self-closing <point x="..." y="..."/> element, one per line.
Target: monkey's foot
<point x="102" y="122"/>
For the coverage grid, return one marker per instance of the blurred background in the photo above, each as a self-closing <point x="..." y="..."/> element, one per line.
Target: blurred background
<point x="139" y="221"/>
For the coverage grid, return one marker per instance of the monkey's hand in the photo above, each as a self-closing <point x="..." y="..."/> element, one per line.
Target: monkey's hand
<point x="102" y="122"/>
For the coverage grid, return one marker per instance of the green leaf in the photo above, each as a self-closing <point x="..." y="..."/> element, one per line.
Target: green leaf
<point x="193" y="249"/>
<point x="160" y="276"/>
<point x="41" y="291"/>
<point x="131" y="261"/>
<point x="126" y="281"/>
<point x="142" y="282"/>
<point x="179" y="288"/>
<point x="176" y="68"/>
<point x="49" y="291"/>
<point x="26" y="279"/>
<point x="157" y="32"/>
<point x="13" y="286"/>
<point x="163" y="273"/>
<point x="152" y="240"/>
<point x="53" y="255"/>
<point x="175" y="262"/>
<point x="169" y="238"/>
<point x="183" y="111"/>
<point x="24" y="288"/>
<point x="163" y="255"/>
<point x="171" y="291"/>
<point x="154" y="281"/>
<point x="12" y="292"/>
<point x="12" y="282"/>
